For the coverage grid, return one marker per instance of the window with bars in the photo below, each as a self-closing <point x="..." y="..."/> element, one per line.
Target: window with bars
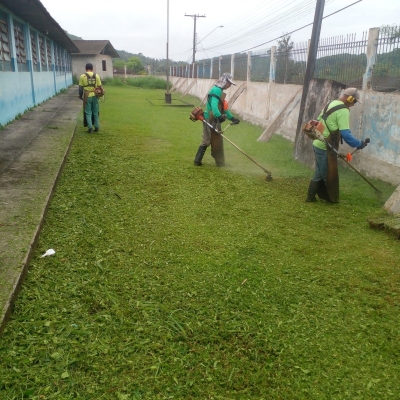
<point x="20" y="48"/>
<point x="5" y="52"/>
<point x="34" y="48"/>
<point x="58" y="60"/>
<point x="69" y="62"/>
<point x="42" y="50"/>
<point x="62" y="60"/>
<point x="49" y="59"/>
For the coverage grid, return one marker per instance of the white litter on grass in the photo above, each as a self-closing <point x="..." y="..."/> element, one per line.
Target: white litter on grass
<point x="49" y="252"/>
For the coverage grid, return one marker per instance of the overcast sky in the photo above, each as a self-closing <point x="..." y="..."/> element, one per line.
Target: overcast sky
<point x="141" y="26"/>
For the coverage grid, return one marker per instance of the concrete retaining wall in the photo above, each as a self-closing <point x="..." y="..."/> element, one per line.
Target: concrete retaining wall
<point x="377" y="118"/>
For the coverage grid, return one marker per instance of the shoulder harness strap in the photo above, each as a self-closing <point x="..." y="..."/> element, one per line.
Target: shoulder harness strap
<point x="327" y="112"/>
<point x="325" y="115"/>
<point x="213" y="95"/>
<point x="91" y="79"/>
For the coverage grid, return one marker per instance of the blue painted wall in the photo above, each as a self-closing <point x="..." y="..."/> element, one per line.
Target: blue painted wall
<point x="44" y="86"/>
<point x="381" y="121"/>
<point x="19" y="90"/>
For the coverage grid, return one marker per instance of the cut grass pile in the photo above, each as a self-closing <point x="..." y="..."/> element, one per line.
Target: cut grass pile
<point x="177" y="282"/>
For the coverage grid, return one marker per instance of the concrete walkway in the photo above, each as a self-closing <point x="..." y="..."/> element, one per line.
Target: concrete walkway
<point x="33" y="150"/>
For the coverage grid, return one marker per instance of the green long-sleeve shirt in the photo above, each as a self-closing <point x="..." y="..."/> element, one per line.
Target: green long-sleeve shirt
<point x="212" y="104"/>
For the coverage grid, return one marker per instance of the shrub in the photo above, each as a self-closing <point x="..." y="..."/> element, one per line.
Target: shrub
<point x="143" y="82"/>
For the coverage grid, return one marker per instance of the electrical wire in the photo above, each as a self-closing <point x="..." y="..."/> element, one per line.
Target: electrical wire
<point x="244" y="21"/>
<point x="288" y="33"/>
<point x="283" y="14"/>
<point x="281" y="20"/>
<point x="221" y="46"/>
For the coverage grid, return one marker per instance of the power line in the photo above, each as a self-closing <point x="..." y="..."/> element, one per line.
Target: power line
<point x="281" y="19"/>
<point x="288" y="33"/>
<point x="194" y="16"/>
<point x="302" y="26"/>
<point x="286" y="17"/>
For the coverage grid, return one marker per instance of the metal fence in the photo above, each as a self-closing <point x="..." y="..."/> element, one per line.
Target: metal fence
<point x="260" y="65"/>
<point x="341" y="58"/>
<point x="386" y="73"/>
<point x="291" y="64"/>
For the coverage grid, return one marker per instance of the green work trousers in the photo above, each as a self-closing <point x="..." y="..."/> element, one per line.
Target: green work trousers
<point x="92" y="111"/>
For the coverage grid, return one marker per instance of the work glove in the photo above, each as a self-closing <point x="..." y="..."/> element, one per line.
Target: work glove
<point x="235" y="121"/>
<point x="363" y="144"/>
<point x="222" y="118"/>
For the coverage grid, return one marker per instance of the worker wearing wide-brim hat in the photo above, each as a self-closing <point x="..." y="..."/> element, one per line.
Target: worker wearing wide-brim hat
<point x="215" y="114"/>
<point x="336" y="120"/>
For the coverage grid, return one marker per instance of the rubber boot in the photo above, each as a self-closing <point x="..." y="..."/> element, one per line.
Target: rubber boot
<point x="199" y="156"/>
<point x="312" y="191"/>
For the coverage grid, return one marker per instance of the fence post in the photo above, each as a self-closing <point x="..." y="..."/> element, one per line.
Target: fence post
<point x="248" y="77"/>
<point x="372" y="50"/>
<point x="272" y="65"/>
<point x="219" y="66"/>
<point x="308" y="49"/>
<point x="211" y="67"/>
<point x="233" y="65"/>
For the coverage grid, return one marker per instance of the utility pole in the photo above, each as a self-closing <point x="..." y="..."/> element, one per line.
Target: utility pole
<point x="195" y="16"/>
<point x="312" y="56"/>
<point x="168" y="97"/>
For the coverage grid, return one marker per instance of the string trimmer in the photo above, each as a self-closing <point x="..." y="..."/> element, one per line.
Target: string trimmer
<point x="198" y="115"/>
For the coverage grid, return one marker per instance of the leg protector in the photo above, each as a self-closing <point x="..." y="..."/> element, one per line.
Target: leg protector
<point x="322" y="191"/>
<point x="217" y="148"/>
<point x="312" y="191"/>
<point x="199" y="156"/>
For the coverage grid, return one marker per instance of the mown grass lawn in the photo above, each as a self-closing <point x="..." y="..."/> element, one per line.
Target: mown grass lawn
<point x="177" y="282"/>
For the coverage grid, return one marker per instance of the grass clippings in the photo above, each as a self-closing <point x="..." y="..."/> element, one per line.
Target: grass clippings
<point x="178" y="282"/>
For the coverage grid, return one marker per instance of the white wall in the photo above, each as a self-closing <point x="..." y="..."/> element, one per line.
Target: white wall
<point x="79" y="62"/>
<point x="377" y="118"/>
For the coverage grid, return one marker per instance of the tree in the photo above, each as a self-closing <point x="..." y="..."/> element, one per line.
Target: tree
<point x="134" y="65"/>
<point x="390" y="31"/>
<point x="285" y="47"/>
<point x="118" y="63"/>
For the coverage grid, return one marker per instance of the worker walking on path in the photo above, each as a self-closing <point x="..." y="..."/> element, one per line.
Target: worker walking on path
<point x="216" y="112"/>
<point x="336" y="120"/>
<point x="87" y="83"/>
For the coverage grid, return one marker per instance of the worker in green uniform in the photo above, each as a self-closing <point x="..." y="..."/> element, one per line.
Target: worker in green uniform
<point x="336" y="120"/>
<point x="87" y="82"/>
<point x="216" y="112"/>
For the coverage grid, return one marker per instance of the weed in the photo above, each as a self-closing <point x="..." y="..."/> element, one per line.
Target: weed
<point x="145" y="82"/>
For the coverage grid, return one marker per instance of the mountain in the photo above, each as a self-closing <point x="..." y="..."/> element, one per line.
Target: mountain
<point x="73" y="37"/>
